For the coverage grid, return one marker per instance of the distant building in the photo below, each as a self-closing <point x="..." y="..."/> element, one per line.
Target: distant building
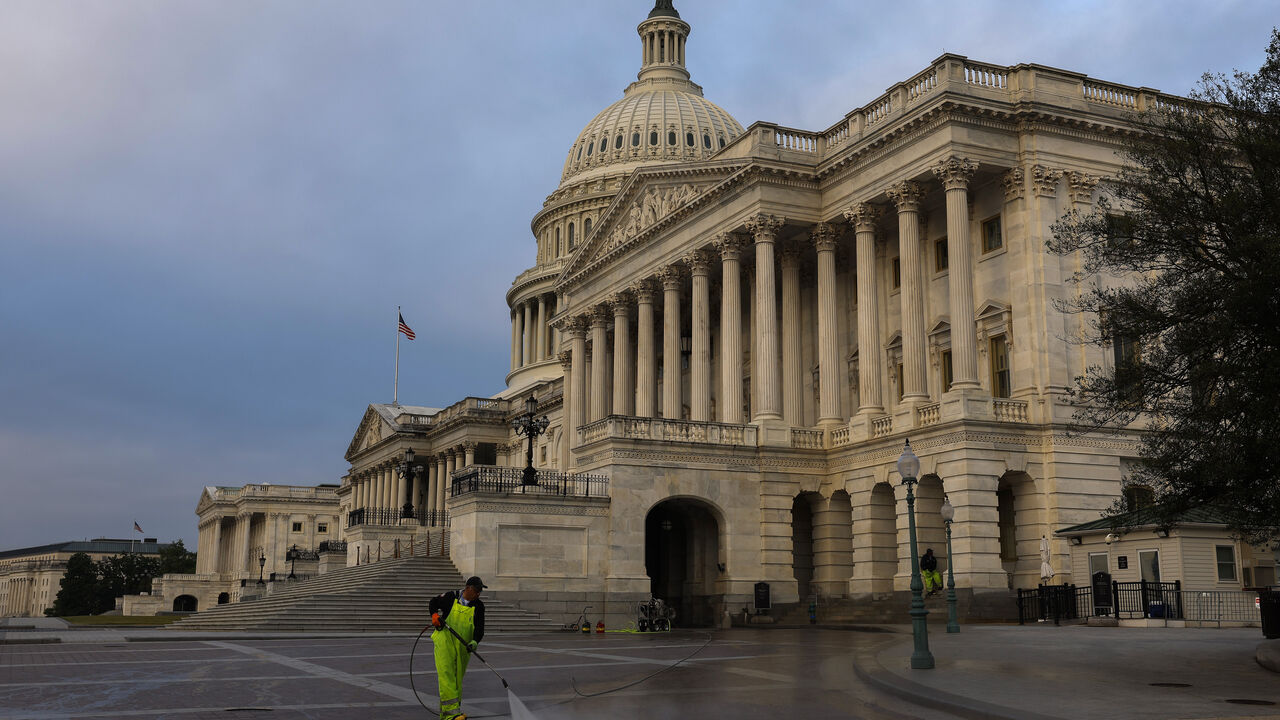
<point x="31" y="577"/>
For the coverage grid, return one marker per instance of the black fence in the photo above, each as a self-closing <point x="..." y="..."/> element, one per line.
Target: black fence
<point x="1129" y="599"/>
<point x="494" y="479"/>
<point x="333" y="546"/>
<point x="393" y="516"/>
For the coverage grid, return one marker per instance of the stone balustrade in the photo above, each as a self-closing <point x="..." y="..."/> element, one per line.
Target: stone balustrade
<point x="841" y="436"/>
<point x="622" y="427"/>
<point x="881" y="426"/>
<point x="1014" y="411"/>
<point x="807" y="438"/>
<point x="928" y="414"/>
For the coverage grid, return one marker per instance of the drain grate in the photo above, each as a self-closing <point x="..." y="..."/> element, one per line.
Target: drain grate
<point x="1169" y="684"/>
<point x="1247" y="701"/>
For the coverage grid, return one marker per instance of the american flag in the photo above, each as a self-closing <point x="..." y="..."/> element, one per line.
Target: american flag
<point x="408" y="331"/>
<point x="136" y="526"/>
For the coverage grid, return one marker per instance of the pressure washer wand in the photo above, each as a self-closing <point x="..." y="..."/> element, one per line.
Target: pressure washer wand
<point x="473" y="652"/>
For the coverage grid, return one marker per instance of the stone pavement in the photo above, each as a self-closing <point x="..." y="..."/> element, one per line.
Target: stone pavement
<point x="985" y="671"/>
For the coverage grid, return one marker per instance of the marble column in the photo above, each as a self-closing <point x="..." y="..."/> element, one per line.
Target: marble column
<point x="599" y="362"/>
<point x="863" y="217"/>
<point x="955" y="174"/>
<point x="824" y="241"/>
<point x="578" y="378"/>
<point x="519" y="340"/>
<point x="567" y="433"/>
<point x="388" y="486"/>
<point x="515" y="340"/>
<point x="433" y="483"/>
<point x="646" y="359"/>
<point x="672" y="401"/>
<point x="624" y="394"/>
<point x="450" y="464"/>
<point x="468" y="454"/>
<point x="699" y="263"/>
<point x="529" y="333"/>
<point x="730" y="406"/>
<point x="764" y="229"/>
<point x="239" y="556"/>
<point x="906" y="196"/>
<point x="792" y="374"/>
<point x="397" y="487"/>
<point x="540" y="351"/>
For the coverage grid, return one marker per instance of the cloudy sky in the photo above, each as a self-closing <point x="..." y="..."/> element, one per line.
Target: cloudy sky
<point x="209" y="211"/>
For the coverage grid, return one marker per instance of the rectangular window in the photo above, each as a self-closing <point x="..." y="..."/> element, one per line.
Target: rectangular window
<point x="946" y="370"/>
<point x="1149" y="563"/>
<point x="322" y="527"/>
<point x="1226" y="556"/>
<point x="1000" y="382"/>
<point x="297" y="527"/>
<point x="900" y="391"/>
<point x="1097" y="564"/>
<point x="897" y="273"/>
<point x="940" y="260"/>
<point x="991" y="238"/>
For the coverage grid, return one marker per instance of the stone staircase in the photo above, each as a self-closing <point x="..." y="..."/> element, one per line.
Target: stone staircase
<point x="387" y="596"/>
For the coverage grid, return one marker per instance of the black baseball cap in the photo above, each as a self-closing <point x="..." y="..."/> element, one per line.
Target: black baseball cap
<point x="475" y="582"/>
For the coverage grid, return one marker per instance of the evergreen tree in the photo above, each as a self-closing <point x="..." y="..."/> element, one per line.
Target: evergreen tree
<point x="78" y="589"/>
<point x="1181" y="278"/>
<point x="175" y="558"/>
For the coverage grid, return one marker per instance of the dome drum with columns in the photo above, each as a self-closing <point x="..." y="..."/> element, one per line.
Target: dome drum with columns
<point x="735" y="340"/>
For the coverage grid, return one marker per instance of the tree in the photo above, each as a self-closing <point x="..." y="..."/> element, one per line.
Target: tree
<point x="77" y="594"/>
<point x="1181" y="280"/>
<point x="175" y="558"/>
<point x="127" y="574"/>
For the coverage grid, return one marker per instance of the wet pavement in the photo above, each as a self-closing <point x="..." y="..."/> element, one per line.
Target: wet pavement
<point x="983" y="672"/>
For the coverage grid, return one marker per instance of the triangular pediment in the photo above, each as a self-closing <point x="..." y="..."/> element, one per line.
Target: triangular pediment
<point x="371" y="431"/>
<point x="650" y="200"/>
<point x="992" y="308"/>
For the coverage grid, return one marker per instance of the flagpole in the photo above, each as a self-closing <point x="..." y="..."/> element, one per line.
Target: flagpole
<point x="395" y="393"/>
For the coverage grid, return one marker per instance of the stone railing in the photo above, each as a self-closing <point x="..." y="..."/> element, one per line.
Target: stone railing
<point x="881" y="426"/>
<point x="278" y="491"/>
<point x="807" y="438"/>
<point x="1014" y="411"/>
<point x="476" y="407"/>
<point x="959" y="76"/>
<point x="638" y="428"/>
<point x="842" y="435"/>
<point x="928" y="414"/>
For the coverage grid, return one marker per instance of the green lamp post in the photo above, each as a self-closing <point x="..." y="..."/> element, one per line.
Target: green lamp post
<point x="949" y="514"/>
<point x="921" y="658"/>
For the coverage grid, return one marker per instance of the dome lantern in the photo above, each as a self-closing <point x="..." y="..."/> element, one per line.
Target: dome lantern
<point x="662" y="42"/>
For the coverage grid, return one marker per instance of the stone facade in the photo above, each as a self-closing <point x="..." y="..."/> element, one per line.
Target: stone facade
<point x="735" y="331"/>
<point x="30" y="578"/>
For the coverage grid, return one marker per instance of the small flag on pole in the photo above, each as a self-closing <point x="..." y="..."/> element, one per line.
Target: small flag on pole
<point x="408" y="331"/>
<point x="136" y="526"/>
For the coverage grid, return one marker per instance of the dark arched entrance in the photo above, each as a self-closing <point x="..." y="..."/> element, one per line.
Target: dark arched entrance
<point x="184" y="603"/>
<point x="682" y="558"/>
<point x="224" y="598"/>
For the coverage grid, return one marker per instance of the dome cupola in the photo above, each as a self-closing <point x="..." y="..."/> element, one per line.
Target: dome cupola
<point x="662" y="116"/>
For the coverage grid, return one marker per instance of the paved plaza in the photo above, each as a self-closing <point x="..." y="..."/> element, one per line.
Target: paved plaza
<point x="984" y="672"/>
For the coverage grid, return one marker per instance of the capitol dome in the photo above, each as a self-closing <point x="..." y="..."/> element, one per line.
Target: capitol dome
<point x="662" y="117"/>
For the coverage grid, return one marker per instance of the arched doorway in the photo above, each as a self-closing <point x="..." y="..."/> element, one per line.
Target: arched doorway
<point x="184" y="603"/>
<point x="682" y="559"/>
<point x="1021" y="522"/>
<point x="224" y="598"/>
<point x="802" y="541"/>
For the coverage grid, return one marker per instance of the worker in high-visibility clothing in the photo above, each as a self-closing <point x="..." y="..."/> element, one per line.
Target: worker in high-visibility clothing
<point x="464" y="613"/>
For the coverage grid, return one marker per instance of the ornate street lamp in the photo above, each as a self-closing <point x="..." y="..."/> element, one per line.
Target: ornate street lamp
<point x="262" y="563"/>
<point x="408" y="471"/>
<point x="921" y="658"/>
<point x="292" y="556"/>
<point x="531" y="426"/>
<point x="949" y="514"/>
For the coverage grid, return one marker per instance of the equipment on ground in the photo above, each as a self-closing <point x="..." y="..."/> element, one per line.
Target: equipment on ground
<point x="653" y="615"/>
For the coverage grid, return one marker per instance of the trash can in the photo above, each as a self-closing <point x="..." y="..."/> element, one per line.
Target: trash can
<point x="1269" y="606"/>
<point x="1155" y="610"/>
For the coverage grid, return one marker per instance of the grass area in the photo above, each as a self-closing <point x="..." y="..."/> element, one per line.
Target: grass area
<point x="122" y="620"/>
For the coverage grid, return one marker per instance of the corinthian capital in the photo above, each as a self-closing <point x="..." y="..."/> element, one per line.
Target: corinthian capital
<point x="906" y="196"/>
<point x="670" y="276"/>
<point x="1014" y="183"/>
<point x="863" y="217"/>
<point x="764" y="227"/>
<point x="954" y="172"/>
<point x="1080" y="186"/>
<point x="824" y="237"/>
<point x="566" y="360"/>
<point x="699" y="261"/>
<point x="1045" y="180"/>
<point x="620" y="303"/>
<point x="729" y="245"/>
<point x="601" y="315"/>
<point x="643" y="290"/>
<point x="575" y="326"/>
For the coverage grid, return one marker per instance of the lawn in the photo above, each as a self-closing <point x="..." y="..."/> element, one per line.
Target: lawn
<point x="122" y="620"/>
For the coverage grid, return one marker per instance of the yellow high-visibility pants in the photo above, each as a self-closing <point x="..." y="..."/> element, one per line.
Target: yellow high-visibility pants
<point x="452" y="658"/>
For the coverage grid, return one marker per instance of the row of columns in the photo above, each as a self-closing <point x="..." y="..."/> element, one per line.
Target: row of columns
<point x="532" y="339"/>
<point x="776" y="400"/>
<point x="383" y="486"/>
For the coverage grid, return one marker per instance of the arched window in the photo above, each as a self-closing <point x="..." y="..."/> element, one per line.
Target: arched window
<point x="671" y="137"/>
<point x="557" y="241"/>
<point x="635" y="139"/>
<point x="706" y="141"/>
<point x="688" y="139"/>
<point x="604" y="144"/>
<point x="579" y="152"/>
<point x="590" y="147"/>
<point x="721" y="141"/>
<point x="586" y="227"/>
<point x="653" y="137"/>
<point x="571" y="243"/>
<point x="617" y="142"/>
